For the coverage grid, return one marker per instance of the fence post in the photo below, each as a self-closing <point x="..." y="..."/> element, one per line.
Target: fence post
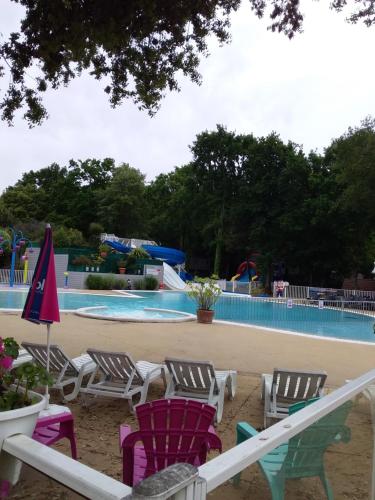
<point x="178" y="482"/>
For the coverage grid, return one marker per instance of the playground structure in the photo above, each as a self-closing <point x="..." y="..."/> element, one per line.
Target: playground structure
<point x="16" y="242"/>
<point x="170" y="256"/>
<point x="246" y="272"/>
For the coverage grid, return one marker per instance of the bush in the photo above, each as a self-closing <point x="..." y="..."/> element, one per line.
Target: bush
<point x="150" y="283"/>
<point x="119" y="284"/>
<point x="146" y="283"/>
<point x="94" y="282"/>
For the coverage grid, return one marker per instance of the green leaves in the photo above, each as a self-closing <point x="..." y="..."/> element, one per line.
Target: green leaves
<point x="205" y="292"/>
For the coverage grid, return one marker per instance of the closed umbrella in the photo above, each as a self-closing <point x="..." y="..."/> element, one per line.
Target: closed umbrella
<point x="41" y="305"/>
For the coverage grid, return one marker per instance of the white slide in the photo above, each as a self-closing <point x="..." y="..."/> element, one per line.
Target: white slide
<point x="171" y="278"/>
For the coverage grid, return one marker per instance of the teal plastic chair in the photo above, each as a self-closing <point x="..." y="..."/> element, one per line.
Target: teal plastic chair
<point x="303" y="456"/>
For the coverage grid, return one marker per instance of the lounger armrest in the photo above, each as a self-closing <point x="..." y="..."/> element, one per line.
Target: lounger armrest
<point x="153" y="370"/>
<point x="245" y="431"/>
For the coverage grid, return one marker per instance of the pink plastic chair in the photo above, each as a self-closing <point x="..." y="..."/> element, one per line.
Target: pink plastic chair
<point x="171" y="431"/>
<point x="49" y="430"/>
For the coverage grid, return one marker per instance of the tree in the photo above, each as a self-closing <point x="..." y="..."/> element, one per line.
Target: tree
<point x="122" y="208"/>
<point x="136" y="46"/>
<point x="61" y="195"/>
<point x="351" y="158"/>
<point x="216" y="167"/>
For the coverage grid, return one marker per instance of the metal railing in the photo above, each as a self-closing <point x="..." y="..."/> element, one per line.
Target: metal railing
<point x="186" y="482"/>
<point x="18" y="277"/>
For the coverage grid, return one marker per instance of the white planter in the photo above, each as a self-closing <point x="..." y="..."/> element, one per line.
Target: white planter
<point x="20" y="421"/>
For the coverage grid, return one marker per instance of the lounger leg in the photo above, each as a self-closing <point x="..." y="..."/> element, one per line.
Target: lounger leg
<point x="232" y="385"/>
<point x="77" y="386"/>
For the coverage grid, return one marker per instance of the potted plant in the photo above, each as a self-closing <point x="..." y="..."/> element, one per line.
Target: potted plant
<point x="121" y="266"/>
<point x="104" y="250"/>
<point x="206" y="293"/>
<point x="19" y="406"/>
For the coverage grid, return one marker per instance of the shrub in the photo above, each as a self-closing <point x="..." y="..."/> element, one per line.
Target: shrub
<point x="138" y="285"/>
<point x="119" y="284"/>
<point x="146" y="283"/>
<point x="94" y="282"/>
<point x="150" y="283"/>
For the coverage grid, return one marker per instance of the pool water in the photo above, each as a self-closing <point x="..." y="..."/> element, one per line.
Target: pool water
<point x="323" y="322"/>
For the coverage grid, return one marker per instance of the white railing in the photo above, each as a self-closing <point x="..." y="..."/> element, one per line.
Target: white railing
<point x="93" y="484"/>
<point x="18" y="277"/>
<point x="294" y="291"/>
<point x="304" y="292"/>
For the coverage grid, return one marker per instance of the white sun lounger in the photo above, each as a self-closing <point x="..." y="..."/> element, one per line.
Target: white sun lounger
<point x="120" y="376"/>
<point x="286" y="387"/>
<point x="199" y="380"/>
<point x="65" y="370"/>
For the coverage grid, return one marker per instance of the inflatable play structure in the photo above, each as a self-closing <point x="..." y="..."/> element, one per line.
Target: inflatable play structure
<point x="247" y="271"/>
<point x="170" y="257"/>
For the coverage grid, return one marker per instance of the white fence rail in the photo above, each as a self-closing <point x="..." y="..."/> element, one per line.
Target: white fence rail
<point x="18" y="277"/>
<point x="93" y="484"/>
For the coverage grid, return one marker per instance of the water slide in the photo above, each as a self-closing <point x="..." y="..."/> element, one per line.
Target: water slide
<point x="172" y="279"/>
<point x="119" y="247"/>
<point x="171" y="256"/>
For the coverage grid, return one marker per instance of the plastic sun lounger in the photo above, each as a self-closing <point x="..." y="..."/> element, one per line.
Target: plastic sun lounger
<point x="286" y="387"/>
<point x="67" y="371"/>
<point x="121" y="377"/>
<point x="199" y="380"/>
<point x="23" y="357"/>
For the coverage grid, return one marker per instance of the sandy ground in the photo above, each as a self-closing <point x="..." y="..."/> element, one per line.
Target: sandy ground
<point x="249" y="350"/>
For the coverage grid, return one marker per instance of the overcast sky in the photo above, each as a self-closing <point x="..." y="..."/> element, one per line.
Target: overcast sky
<point x="309" y="90"/>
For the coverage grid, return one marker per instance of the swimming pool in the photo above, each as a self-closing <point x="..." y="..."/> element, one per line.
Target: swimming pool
<point x="334" y="323"/>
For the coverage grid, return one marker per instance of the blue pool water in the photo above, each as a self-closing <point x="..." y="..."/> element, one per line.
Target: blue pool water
<point x="324" y="322"/>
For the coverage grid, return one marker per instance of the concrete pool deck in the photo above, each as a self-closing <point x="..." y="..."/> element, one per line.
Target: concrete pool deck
<point x="249" y="350"/>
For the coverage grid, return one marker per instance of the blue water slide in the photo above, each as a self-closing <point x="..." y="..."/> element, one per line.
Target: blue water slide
<point x="119" y="247"/>
<point x="170" y="255"/>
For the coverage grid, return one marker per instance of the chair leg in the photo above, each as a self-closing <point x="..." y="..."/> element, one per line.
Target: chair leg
<point x="326" y="485"/>
<point x="4" y="489"/>
<point x="67" y="429"/>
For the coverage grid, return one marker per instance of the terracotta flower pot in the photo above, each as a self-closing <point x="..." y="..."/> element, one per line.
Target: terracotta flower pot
<point x="205" y="316"/>
<point x="122" y="270"/>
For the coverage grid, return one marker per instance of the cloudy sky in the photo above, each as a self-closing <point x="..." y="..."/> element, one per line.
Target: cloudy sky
<point x="308" y="90"/>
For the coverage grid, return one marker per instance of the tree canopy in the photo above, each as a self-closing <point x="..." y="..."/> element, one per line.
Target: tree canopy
<point x="240" y="195"/>
<point x="137" y="47"/>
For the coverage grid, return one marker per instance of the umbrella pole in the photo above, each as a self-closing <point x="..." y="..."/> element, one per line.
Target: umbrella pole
<point x="48" y="356"/>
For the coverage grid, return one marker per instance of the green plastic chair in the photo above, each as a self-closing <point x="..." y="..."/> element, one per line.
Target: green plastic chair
<point x="303" y="456"/>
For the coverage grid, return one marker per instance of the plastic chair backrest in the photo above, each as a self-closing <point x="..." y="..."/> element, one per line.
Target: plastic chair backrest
<point x="306" y="450"/>
<point x="173" y="430"/>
